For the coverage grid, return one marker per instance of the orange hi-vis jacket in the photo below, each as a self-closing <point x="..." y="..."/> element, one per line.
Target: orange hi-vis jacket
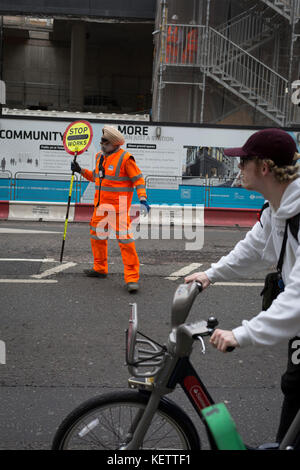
<point x="172" y="47"/>
<point x="192" y="40"/>
<point x="191" y="46"/>
<point x="172" y="36"/>
<point x="121" y="176"/>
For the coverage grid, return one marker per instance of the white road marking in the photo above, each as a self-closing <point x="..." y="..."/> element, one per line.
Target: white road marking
<point x="55" y="270"/>
<point x="239" y="284"/>
<point x="28" y="281"/>
<point x="30" y="260"/>
<point x="20" y="230"/>
<point x="184" y="271"/>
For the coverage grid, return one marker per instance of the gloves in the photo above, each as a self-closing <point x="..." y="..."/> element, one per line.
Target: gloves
<point x="145" y="208"/>
<point x="75" y="168"/>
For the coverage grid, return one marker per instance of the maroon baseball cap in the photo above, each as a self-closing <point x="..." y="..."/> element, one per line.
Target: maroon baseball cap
<point x="274" y="144"/>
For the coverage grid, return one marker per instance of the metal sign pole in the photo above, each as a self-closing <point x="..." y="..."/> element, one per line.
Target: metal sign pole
<point x="77" y="139"/>
<point x="67" y="214"/>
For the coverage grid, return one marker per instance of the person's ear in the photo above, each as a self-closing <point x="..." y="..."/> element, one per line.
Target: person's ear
<point x="265" y="170"/>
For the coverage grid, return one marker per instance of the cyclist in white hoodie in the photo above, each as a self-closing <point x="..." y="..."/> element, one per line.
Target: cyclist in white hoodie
<point x="267" y="164"/>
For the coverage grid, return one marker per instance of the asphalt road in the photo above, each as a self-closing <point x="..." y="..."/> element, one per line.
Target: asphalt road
<point x="64" y="333"/>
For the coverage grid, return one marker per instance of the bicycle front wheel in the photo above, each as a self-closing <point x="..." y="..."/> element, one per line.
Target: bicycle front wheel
<point x="107" y="422"/>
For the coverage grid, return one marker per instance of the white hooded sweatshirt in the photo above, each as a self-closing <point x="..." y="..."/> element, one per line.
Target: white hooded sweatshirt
<point x="261" y="249"/>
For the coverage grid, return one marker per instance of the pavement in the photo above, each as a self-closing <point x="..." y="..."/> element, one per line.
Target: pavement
<point x="64" y="332"/>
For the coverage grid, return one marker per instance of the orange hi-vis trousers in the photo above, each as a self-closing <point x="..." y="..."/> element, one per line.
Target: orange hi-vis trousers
<point x="106" y="223"/>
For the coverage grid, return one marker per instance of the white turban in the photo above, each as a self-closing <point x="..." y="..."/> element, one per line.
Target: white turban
<point x="113" y="135"/>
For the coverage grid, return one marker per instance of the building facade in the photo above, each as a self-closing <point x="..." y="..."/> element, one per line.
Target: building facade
<point x="228" y="62"/>
<point x="232" y="62"/>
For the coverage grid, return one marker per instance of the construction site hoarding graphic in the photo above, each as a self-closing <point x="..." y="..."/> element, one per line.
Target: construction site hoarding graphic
<point x="35" y="148"/>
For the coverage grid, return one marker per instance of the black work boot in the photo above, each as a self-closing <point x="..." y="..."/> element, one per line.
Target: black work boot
<point x="132" y="287"/>
<point x="93" y="273"/>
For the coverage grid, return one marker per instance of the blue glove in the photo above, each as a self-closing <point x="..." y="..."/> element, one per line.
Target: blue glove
<point x="145" y="208"/>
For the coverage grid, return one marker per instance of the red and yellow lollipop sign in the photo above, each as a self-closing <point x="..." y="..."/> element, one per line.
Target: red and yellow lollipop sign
<point x="78" y="137"/>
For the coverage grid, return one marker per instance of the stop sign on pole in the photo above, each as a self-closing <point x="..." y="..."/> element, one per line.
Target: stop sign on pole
<point x="78" y="137"/>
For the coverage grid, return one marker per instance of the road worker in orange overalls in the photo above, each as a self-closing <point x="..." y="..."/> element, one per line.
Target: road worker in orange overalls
<point x="173" y="40"/>
<point x="116" y="175"/>
<point x="189" y="55"/>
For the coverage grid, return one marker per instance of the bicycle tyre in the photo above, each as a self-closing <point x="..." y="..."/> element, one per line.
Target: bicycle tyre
<point x="103" y="414"/>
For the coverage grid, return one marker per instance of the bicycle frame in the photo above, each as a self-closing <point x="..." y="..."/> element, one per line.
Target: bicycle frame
<point x="174" y="367"/>
<point x="185" y="375"/>
<point x="171" y="366"/>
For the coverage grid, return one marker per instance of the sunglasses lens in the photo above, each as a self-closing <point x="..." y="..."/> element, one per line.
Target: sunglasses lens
<point x="104" y="141"/>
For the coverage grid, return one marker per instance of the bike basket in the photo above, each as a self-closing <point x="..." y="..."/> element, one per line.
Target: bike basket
<point x="141" y="351"/>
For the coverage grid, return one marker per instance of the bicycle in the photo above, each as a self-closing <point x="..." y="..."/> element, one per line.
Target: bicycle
<point x="145" y="418"/>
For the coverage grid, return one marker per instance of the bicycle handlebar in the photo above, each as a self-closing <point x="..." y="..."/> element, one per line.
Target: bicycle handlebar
<point x="183" y="300"/>
<point x="181" y="337"/>
<point x="212" y="323"/>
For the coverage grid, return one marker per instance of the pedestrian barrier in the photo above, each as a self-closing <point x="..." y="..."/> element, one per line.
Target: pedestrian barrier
<point x="159" y="214"/>
<point x="83" y="212"/>
<point x="211" y="192"/>
<point x="169" y="190"/>
<point x="214" y="216"/>
<point x="5" y="185"/>
<point x="43" y="211"/>
<point x="43" y="186"/>
<point x="218" y="202"/>
<point x="174" y="214"/>
<point x="4" y="209"/>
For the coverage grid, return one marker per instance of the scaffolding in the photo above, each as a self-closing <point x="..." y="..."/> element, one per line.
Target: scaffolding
<point x="243" y="56"/>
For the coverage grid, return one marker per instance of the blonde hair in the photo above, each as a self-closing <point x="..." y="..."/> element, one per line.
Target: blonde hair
<point x="283" y="174"/>
<point x="287" y="173"/>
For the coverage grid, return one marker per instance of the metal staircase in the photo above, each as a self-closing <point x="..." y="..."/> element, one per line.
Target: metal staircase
<point x="235" y="68"/>
<point x="250" y="29"/>
<point x="225" y="54"/>
<point x="242" y="73"/>
<point x="246" y="77"/>
<point x="284" y="7"/>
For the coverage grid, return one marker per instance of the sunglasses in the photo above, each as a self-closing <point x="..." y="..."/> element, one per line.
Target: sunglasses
<point x="244" y="160"/>
<point x="104" y="141"/>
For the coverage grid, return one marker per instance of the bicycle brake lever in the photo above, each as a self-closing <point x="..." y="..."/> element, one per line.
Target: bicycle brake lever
<point x="212" y="323"/>
<point x="199" y="285"/>
<point x="202" y="343"/>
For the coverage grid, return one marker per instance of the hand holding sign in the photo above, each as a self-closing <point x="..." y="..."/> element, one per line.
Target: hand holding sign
<point x="75" y="167"/>
<point x="77" y="139"/>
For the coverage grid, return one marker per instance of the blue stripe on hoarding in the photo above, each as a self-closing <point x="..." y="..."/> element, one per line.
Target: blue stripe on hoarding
<point x="42" y="190"/>
<point x="38" y="190"/>
<point x="235" y="198"/>
<point x="238" y="198"/>
<point x="4" y="189"/>
<point x="57" y="191"/>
